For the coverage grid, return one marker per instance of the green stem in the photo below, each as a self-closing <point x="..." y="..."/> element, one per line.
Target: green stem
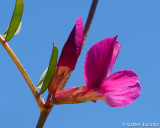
<point x="43" y="116"/>
<point x="23" y="72"/>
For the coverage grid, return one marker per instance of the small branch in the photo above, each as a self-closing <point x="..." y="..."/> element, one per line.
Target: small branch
<point x="89" y="19"/>
<point x="23" y="72"/>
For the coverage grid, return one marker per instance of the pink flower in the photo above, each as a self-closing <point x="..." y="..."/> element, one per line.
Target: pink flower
<point x="118" y="89"/>
<point x="72" y="47"/>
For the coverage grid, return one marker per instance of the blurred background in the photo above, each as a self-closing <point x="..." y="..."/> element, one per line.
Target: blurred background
<point x="137" y="24"/>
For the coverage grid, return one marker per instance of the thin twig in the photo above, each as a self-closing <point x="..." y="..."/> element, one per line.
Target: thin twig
<point x="89" y="19"/>
<point x="23" y="72"/>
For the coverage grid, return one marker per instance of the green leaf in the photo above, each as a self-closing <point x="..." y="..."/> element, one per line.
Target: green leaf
<point x="39" y="85"/>
<point x="51" y="69"/>
<point x="17" y="32"/>
<point x="15" y="21"/>
<point x="18" y="29"/>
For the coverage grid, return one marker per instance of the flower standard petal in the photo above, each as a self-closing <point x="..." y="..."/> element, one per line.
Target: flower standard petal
<point x="98" y="61"/>
<point x="121" y="88"/>
<point x="115" y="54"/>
<point x="72" y="47"/>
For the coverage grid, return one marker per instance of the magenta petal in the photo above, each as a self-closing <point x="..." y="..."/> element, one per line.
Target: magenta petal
<point x="115" y="54"/>
<point x="98" y="62"/>
<point x="121" y="88"/>
<point x="72" y="47"/>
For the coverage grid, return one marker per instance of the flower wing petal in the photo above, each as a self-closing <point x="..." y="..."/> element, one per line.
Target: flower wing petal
<point x="121" y="88"/>
<point x="98" y="62"/>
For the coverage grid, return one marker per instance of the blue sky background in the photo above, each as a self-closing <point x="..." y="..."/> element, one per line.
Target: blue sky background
<point x="137" y="22"/>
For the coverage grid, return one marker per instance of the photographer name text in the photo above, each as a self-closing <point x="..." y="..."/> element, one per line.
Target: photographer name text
<point x="143" y="124"/>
